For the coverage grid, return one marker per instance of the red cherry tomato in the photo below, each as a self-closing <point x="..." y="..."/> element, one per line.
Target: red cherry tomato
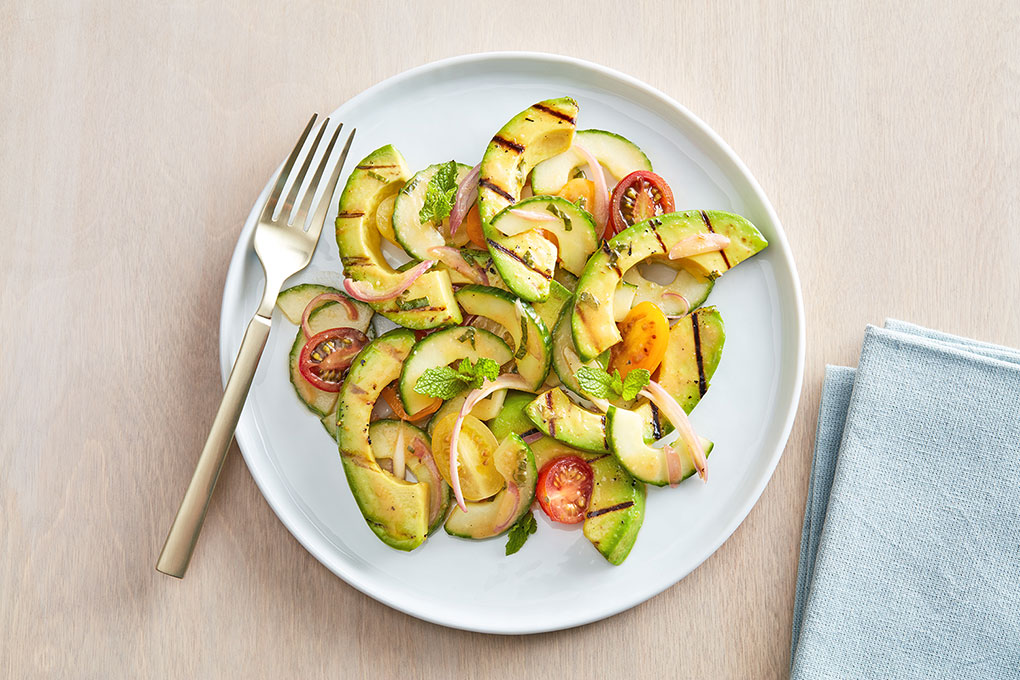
<point x="637" y="197"/>
<point x="326" y="356"/>
<point x="564" y="489"/>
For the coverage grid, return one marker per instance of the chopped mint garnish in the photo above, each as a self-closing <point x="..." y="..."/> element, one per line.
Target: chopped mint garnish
<point x="439" y="194"/>
<point x="556" y="212"/>
<point x="520" y="531"/>
<point x="467" y="336"/>
<point x="416" y="303"/>
<point x="597" y="383"/>
<point x="523" y="349"/>
<point x="588" y="299"/>
<point x="445" y="382"/>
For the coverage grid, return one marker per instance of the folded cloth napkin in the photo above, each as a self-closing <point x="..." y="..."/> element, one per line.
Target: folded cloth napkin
<point x="910" y="551"/>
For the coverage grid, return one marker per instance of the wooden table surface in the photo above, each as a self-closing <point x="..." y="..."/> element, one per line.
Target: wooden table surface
<point x="135" y="137"/>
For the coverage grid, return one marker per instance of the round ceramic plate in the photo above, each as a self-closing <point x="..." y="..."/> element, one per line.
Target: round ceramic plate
<point x="450" y="109"/>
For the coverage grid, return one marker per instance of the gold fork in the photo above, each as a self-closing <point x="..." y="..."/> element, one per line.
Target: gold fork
<point x="284" y="247"/>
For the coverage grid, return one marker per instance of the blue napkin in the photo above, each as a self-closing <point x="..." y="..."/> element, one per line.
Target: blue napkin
<point x="910" y="551"/>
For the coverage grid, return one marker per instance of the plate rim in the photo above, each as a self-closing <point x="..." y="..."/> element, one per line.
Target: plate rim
<point x="288" y="515"/>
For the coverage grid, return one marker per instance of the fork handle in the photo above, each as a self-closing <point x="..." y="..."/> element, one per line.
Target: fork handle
<point x="180" y="542"/>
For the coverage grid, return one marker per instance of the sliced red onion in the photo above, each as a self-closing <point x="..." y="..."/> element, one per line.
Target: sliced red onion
<point x="399" y="454"/>
<point x="506" y="381"/>
<point x="515" y="491"/>
<point x="670" y="293"/>
<point x="314" y="303"/>
<point x="467" y="193"/>
<point x="533" y="216"/>
<point x="532" y="438"/>
<point x="359" y="291"/>
<point x="601" y="207"/>
<point x="673" y="466"/>
<point x="675" y="413"/>
<point x="452" y="258"/>
<point x="697" y="245"/>
<point x="423" y="452"/>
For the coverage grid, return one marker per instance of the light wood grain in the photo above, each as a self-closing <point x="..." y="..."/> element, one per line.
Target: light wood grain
<point x="133" y="139"/>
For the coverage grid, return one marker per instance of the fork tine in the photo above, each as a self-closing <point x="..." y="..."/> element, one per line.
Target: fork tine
<point x="306" y="202"/>
<point x="299" y="179"/>
<point x="281" y="180"/>
<point x="327" y="195"/>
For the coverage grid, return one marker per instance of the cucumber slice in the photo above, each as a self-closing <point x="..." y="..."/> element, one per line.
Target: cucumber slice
<point x="512" y="418"/>
<point x="695" y="290"/>
<point x="549" y="310"/>
<point x="617" y="154"/>
<point x="623" y="300"/>
<point x="565" y="360"/>
<point x="531" y="343"/>
<point x="489" y="518"/>
<point x="574" y="230"/>
<point x="383" y="434"/>
<point x="625" y="434"/>
<point x="292" y="303"/>
<point x="414" y="236"/>
<point x="565" y="279"/>
<point x="330" y="315"/>
<point x="557" y="416"/>
<point x="443" y="348"/>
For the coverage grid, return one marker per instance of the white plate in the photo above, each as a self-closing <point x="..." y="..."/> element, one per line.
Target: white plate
<point x="450" y="109"/>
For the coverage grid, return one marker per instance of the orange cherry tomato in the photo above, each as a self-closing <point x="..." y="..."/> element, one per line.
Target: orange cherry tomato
<point x="389" y="395"/>
<point x="579" y="188"/>
<point x="473" y="225"/>
<point x="645" y="332"/>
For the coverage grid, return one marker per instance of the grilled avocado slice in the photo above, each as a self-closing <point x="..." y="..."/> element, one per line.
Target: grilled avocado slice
<point x="429" y="302"/>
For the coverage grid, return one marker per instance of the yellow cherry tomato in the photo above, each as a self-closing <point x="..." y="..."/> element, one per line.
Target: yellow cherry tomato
<point x="645" y="332"/>
<point x="579" y="188"/>
<point x="476" y="468"/>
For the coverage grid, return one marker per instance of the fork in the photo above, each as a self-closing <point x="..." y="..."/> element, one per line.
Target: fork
<point x="284" y="247"/>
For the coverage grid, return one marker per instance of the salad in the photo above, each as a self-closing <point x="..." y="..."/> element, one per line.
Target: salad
<point x="548" y="336"/>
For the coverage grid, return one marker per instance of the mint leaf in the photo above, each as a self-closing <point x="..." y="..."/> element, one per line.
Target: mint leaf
<point x="556" y="212"/>
<point x="442" y="382"/>
<point x="594" y="382"/>
<point x="439" y="194"/>
<point x="636" y="380"/>
<point x="485" y="368"/>
<point x="617" y="383"/>
<point x="467" y="336"/>
<point x="520" y="531"/>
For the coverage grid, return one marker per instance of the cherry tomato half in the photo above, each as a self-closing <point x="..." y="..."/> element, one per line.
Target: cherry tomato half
<point x="564" y="489"/>
<point x="645" y="332"/>
<point x="389" y="395"/>
<point x="326" y="356"/>
<point x="637" y="197"/>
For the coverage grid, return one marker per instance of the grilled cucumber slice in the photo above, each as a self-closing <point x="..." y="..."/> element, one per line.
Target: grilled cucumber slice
<point x="414" y="236"/>
<point x="617" y="154"/>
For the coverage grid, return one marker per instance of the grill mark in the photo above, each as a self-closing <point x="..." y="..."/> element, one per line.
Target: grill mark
<point x="552" y="421"/>
<point x="612" y="258"/>
<point x="656" y="423"/>
<point x="612" y="508"/>
<point x="529" y="432"/>
<point x="351" y="214"/>
<point x="554" y="113"/>
<point x="605" y="433"/>
<point x="507" y="144"/>
<point x="598" y="458"/>
<point x="659" y="239"/>
<point x="492" y="186"/>
<point x="373" y="167"/>
<point x="702" y="383"/>
<point x="509" y="253"/>
<point x="708" y="223"/>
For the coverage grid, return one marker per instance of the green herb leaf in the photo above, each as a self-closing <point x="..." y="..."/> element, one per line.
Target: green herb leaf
<point x="578" y="174"/>
<point x="556" y="212"/>
<point x="594" y="382"/>
<point x="588" y="299"/>
<point x="416" y="303"/>
<point x="520" y="531"/>
<point x="442" y="382"/>
<point x="467" y="336"/>
<point x="617" y="383"/>
<point x="439" y="194"/>
<point x="635" y="382"/>
<point x="485" y="368"/>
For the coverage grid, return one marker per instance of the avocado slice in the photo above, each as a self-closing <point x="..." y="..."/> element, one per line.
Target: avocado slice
<point x="512" y="418"/>
<point x="692" y="355"/>
<point x="492" y="517"/>
<point x="616" y="153"/>
<point x="565" y="359"/>
<point x="616" y="510"/>
<point x="592" y="323"/>
<point x="556" y="415"/>
<point x="549" y="309"/>
<point x="384" y="434"/>
<point x="625" y="434"/>
<point x="414" y="236"/>
<point x="443" y="348"/>
<point x="526" y="261"/>
<point x="531" y="342"/>
<point x="397" y="511"/>
<point x="694" y="291"/>
<point x="429" y="302"/>
<point x="573" y="229"/>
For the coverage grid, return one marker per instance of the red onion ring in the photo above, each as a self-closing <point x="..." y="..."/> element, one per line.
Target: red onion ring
<point x="532" y="438"/>
<point x="675" y="413"/>
<point x="670" y="293"/>
<point x="314" y="303"/>
<point x="533" y="216"/>
<point x="467" y="193"/>
<point x="515" y="491"/>
<point x="452" y="258"/>
<point x="358" y="290"/>
<point x="601" y="207"/>
<point x="399" y="454"/>
<point x="697" y="245"/>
